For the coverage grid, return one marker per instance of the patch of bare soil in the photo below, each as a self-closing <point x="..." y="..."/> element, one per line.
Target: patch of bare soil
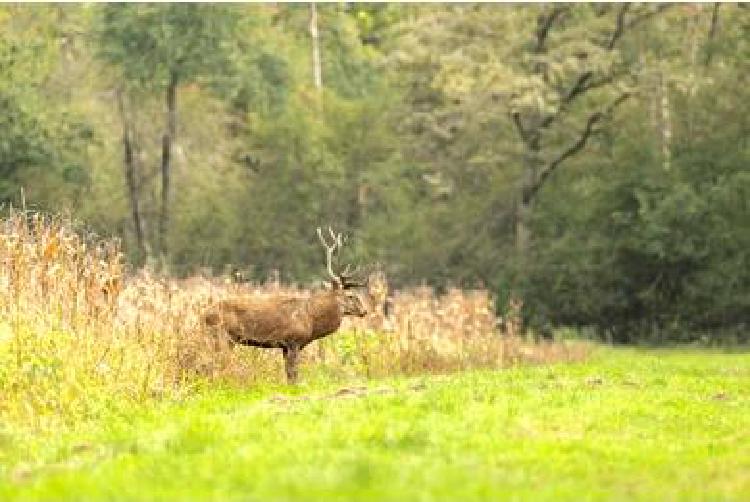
<point x="346" y="393"/>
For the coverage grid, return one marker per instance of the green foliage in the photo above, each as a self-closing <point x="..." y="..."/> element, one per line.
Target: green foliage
<point x="652" y="254"/>
<point x="152" y="42"/>
<point x="412" y="146"/>
<point x="41" y="144"/>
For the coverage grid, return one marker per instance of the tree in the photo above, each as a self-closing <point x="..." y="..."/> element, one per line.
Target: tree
<point x="132" y="177"/>
<point x="648" y="253"/>
<point x="556" y="79"/>
<point x="41" y="139"/>
<point x="315" y="42"/>
<point x="588" y="157"/>
<point x="160" y="47"/>
<point x="565" y="72"/>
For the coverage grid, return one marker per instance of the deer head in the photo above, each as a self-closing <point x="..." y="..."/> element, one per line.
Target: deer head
<point x="343" y="283"/>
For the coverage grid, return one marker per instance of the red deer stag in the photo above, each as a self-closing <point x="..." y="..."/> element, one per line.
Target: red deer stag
<point x="289" y="323"/>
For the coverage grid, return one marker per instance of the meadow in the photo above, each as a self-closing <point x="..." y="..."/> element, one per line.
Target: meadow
<point x="110" y="390"/>
<point x="625" y="425"/>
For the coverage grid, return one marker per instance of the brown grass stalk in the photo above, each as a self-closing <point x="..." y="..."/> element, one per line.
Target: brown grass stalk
<point x="78" y="334"/>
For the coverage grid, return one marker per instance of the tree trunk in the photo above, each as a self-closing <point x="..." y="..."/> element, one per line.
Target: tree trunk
<point x="524" y="207"/>
<point x="316" y="67"/>
<point x="166" y="163"/>
<point x="523" y="232"/>
<point x="131" y="175"/>
<point x="712" y="33"/>
<point x="666" y="121"/>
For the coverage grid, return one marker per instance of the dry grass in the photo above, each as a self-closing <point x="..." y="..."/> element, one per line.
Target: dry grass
<point x="77" y="335"/>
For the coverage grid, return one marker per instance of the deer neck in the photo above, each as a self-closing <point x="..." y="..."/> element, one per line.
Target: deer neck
<point x="326" y="315"/>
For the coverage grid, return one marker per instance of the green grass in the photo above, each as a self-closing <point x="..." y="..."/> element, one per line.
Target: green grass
<point x="626" y="425"/>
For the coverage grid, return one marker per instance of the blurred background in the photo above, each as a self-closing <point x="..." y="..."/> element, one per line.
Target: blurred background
<point x="590" y="160"/>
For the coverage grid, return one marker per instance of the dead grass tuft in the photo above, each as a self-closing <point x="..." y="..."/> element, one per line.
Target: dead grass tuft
<point x="78" y="334"/>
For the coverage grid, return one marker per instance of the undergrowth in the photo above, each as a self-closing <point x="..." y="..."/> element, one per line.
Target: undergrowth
<point x="79" y="336"/>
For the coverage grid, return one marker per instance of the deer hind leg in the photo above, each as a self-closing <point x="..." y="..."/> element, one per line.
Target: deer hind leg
<point x="291" y="357"/>
<point x="222" y="341"/>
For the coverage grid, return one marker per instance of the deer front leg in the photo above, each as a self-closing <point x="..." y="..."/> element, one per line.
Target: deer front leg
<point x="291" y="354"/>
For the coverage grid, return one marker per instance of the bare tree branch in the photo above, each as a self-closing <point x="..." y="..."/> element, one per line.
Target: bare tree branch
<point x="582" y="85"/>
<point x="544" y="24"/>
<point x="519" y="126"/>
<point x="619" y="26"/>
<point x="574" y="148"/>
<point x="578" y="87"/>
<point x="584" y="82"/>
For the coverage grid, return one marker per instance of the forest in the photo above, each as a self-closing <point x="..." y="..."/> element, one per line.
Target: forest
<point x="590" y="160"/>
<point x="534" y="278"/>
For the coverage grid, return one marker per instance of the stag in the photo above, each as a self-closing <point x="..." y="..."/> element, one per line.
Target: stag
<point x="289" y="323"/>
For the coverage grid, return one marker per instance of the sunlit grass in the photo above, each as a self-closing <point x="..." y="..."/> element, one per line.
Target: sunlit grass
<point x="628" y="425"/>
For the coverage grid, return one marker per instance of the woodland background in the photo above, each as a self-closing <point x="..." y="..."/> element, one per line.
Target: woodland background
<point x="589" y="159"/>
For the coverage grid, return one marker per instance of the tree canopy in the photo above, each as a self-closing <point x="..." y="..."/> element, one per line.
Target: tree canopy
<point x="589" y="159"/>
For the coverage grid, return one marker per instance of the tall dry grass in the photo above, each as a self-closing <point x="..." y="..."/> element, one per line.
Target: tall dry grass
<point x="78" y="335"/>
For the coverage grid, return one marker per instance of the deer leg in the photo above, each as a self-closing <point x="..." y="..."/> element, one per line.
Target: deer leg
<point x="291" y="354"/>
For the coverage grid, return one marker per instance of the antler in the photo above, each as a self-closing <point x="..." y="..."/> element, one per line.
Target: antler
<point x="330" y="249"/>
<point x="345" y="277"/>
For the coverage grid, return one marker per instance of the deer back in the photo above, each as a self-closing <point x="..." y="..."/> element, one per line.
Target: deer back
<point x="273" y="322"/>
<point x="282" y="321"/>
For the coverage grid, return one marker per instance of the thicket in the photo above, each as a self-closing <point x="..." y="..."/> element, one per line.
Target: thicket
<point x="80" y="337"/>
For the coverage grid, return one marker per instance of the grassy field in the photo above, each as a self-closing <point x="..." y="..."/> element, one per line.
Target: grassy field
<point x="624" y="425"/>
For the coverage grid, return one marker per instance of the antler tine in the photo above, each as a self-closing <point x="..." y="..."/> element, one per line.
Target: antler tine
<point x="322" y="239"/>
<point x="351" y="277"/>
<point x="350" y="273"/>
<point x="336" y="238"/>
<point x="329" y="254"/>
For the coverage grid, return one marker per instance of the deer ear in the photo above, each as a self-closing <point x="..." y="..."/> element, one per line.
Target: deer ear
<point x="332" y="285"/>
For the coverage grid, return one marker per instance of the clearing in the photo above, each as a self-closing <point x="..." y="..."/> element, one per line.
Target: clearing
<point x="627" y="424"/>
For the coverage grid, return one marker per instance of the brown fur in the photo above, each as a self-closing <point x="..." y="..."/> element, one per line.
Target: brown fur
<point x="287" y="323"/>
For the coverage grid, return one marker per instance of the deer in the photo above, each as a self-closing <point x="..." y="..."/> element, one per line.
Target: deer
<point x="288" y="323"/>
